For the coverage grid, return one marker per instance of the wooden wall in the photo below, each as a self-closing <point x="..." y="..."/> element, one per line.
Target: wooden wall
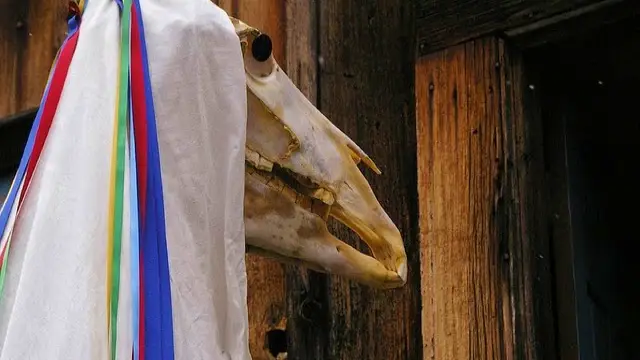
<point x="485" y="260"/>
<point x="31" y="31"/>
<point x="366" y="87"/>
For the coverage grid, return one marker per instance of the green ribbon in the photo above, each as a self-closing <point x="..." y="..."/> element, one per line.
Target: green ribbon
<point x="118" y="186"/>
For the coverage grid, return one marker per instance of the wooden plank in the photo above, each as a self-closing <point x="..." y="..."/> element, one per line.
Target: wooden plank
<point x="306" y="290"/>
<point x="30" y="34"/>
<point x="530" y="275"/>
<point x="366" y="89"/>
<point x="12" y="38"/>
<point x="485" y="283"/>
<point x="446" y="23"/>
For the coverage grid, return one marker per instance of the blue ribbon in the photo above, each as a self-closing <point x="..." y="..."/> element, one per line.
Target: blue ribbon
<point x="135" y="241"/>
<point x="157" y="287"/>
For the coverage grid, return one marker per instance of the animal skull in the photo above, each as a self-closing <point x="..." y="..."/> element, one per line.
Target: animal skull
<point x="301" y="169"/>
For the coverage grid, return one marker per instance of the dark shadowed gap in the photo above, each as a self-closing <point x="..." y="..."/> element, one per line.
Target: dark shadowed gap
<point x="592" y="141"/>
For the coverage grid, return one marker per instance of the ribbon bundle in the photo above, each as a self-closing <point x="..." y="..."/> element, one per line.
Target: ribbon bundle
<point x="134" y="130"/>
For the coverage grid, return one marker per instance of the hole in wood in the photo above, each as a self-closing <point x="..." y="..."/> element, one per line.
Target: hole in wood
<point x="277" y="342"/>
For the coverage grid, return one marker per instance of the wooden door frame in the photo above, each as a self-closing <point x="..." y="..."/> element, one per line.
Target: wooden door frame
<point x="527" y="26"/>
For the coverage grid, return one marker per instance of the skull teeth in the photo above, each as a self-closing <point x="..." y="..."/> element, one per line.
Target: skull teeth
<point x="324" y="195"/>
<point x="258" y="161"/>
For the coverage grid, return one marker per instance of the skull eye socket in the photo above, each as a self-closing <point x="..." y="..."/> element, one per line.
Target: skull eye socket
<point x="261" y="48"/>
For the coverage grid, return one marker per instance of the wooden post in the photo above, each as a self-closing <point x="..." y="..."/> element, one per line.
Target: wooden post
<point x="366" y="87"/>
<point x="484" y="253"/>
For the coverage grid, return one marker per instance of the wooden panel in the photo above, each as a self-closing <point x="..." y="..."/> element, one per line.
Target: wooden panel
<point x="30" y="35"/>
<point x="366" y="88"/>
<point x="485" y="277"/>
<point x="445" y="23"/>
<point x="525" y="209"/>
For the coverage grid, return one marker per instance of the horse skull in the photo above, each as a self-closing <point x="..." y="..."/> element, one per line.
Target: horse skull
<point x="301" y="169"/>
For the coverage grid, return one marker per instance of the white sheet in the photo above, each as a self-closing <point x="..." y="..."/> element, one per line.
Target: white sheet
<point x="54" y="305"/>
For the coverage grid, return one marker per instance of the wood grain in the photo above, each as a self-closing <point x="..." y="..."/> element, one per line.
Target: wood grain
<point x="306" y="290"/>
<point x="484" y="263"/>
<point x="30" y="34"/>
<point x="445" y="23"/>
<point x="366" y="88"/>
<point x="526" y="209"/>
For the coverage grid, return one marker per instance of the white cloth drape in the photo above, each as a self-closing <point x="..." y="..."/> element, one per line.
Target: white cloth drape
<point x="54" y="305"/>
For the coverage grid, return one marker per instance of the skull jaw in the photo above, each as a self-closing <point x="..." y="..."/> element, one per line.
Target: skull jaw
<point x="279" y="225"/>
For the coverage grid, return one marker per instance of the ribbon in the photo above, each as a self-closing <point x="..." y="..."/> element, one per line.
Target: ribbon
<point x="156" y="341"/>
<point x="135" y="245"/>
<point x="135" y="130"/>
<point x="116" y="205"/>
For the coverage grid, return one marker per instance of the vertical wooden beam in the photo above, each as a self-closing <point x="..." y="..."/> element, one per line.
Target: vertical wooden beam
<point x="366" y="88"/>
<point x="485" y="278"/>
<point x="30" y="34"/>
<point x="306" y="290"/>
<point x="530" y="276"/>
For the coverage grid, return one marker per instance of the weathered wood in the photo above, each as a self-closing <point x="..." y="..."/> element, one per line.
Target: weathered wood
<point x="30" y="35"/>
<point x="485" y="278"/>
<point x="526" y="206"/>
<point x="445" y="23"/>
<point x="306" y="290"/>
<point x="366" y="88"/>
